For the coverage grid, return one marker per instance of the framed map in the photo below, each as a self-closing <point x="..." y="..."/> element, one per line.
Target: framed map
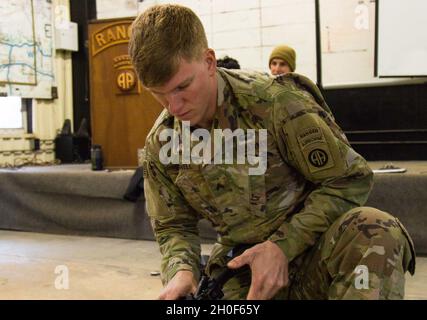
<point x="26" y="48"/>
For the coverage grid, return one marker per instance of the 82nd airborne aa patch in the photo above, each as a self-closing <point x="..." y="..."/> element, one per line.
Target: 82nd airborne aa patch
<point x="318" y="158"/>
<point x="315" y="149"/>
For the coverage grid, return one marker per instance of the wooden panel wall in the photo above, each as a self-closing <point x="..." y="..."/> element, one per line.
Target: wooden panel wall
<point x="122" y="111"/>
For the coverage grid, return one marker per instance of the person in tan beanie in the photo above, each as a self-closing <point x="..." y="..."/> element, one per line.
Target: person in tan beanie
<point x="282" y="60"/>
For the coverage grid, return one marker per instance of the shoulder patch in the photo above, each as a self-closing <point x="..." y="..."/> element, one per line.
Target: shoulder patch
<point x="318" y="158"/>
<point x="309" y="136"/>
<point x="315" y="149"/>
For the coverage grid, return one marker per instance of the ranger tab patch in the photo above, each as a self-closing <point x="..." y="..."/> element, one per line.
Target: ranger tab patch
<point x="309" y="136"/>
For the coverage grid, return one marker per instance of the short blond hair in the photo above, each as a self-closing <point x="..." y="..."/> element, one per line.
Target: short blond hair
<point x="160" y="37"/>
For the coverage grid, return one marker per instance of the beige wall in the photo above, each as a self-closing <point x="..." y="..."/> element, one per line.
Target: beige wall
<point x="246" y="30"/>
<point x="48" y="115"/>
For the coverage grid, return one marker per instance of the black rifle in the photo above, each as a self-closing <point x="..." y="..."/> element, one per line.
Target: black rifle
<point x="211" y="288"/>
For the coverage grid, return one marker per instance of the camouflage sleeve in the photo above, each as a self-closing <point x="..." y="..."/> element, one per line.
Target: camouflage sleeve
<point x="174" y="222"/>
<point x="311" y="142"/>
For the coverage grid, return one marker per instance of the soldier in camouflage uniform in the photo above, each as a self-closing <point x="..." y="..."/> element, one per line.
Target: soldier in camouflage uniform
<point x="312" y="238"/>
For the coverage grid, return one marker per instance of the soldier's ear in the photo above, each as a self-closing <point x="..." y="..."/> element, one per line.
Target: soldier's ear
<point x="211" y="61"/>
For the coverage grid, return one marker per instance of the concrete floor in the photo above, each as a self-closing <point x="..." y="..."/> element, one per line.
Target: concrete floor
<point x="98" y="268"/>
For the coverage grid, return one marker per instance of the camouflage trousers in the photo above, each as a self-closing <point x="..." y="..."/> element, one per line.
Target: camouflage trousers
<point x="363" y="255"/>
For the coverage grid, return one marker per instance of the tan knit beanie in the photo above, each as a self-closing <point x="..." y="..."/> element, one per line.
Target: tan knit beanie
<point x="286" y="53"/>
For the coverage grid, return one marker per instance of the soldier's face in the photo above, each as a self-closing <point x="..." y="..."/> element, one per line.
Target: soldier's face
<point x="190" y="95"/>
<point x="279" y="66"/>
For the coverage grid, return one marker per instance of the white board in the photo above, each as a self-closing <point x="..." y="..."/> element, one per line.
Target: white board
<point x="347" y="32"/>
<point x="402" y="38"/>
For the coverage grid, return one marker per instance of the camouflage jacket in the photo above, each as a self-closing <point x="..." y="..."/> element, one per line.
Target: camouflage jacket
<point x="312" y="175"/>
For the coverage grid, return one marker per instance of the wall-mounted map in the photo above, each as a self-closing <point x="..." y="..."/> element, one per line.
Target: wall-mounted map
<point x="26" y="48"/>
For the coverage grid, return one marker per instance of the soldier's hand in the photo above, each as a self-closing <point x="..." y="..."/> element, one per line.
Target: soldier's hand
<point x="269" y="268"/>
<point x="182" y="284"/>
